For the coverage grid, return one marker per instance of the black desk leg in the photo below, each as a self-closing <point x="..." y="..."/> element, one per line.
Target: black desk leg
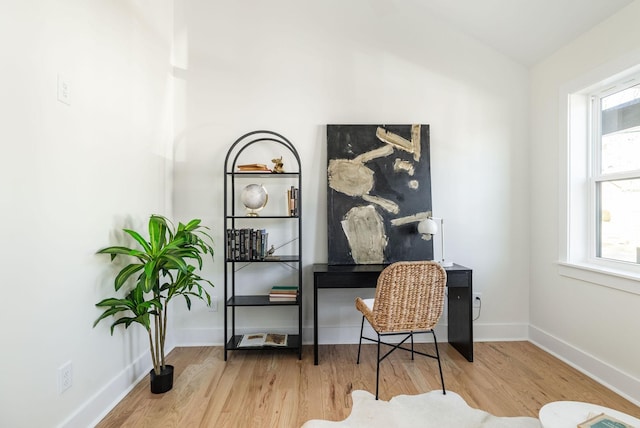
<point x="460" y="322"/>
<point x="315" y="324"/>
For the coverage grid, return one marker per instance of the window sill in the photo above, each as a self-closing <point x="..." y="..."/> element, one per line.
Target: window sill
<point x="607" y="277"/>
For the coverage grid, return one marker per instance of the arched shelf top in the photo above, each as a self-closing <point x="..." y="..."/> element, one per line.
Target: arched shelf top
<point x="257" y="137"/>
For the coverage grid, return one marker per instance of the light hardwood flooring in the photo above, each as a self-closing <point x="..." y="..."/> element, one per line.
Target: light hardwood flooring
<point x="275" y="389"/>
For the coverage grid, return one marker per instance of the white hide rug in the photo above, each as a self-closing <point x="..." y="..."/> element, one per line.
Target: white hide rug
<point x="432" y="409"/>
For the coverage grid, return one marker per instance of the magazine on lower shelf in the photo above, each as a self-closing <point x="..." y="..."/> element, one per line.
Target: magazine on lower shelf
<point x="263" y="339"/>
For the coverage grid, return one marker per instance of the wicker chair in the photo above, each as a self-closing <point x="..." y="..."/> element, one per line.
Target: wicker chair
<point x="409" y="300"/>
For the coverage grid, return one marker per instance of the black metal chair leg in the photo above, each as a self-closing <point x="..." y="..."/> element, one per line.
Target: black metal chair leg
<point x="435" y="342"/>
<point x="378" y="367"/>
<point x="360" y="343"/>
<point x="411" y="346"/>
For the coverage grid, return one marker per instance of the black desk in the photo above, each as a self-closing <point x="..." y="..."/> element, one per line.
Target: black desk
<point x="460" y="323"/>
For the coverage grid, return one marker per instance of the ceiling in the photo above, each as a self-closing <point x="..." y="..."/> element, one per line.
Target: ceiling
<point x="525" y="30"/>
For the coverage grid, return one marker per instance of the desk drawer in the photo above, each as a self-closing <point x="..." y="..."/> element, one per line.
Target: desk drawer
<point x="346" y="279"/>
<point x="458" y="279"/>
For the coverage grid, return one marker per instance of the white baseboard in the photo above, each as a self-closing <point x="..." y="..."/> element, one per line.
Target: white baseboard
<point x="603" y="373"/>
<point x="102" y="402"/>
<point x="332" y="335"/>
<point x="348" y="334"/>
<point x="198" y="336"/>
<point x="500" y="332"/>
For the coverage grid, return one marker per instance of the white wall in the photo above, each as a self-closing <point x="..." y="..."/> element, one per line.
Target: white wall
<point x="71" y="176"/>
<point x="294" y="67"/>
<point x="107" y="161"/>
<point x="591" y="326"/>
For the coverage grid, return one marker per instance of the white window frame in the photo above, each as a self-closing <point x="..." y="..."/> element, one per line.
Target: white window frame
<point x="597" y="175"/>
<point x="577" y="196"/>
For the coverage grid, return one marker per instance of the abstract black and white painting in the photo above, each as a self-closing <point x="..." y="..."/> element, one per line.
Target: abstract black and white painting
<point x="379" y="188"/>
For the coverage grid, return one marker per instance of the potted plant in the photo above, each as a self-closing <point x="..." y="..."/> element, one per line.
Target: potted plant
<point x="164" y="267"/>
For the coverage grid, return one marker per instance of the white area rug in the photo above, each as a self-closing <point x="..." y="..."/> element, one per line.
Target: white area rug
<point x="432" y="409"/>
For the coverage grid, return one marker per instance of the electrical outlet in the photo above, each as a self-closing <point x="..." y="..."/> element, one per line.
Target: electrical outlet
<point x="477" y="300"/>
<point x="65" y="377"/>
<point x="214" y="304"/>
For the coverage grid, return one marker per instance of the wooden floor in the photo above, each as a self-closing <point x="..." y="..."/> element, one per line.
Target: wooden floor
<point x="271" y="389"/>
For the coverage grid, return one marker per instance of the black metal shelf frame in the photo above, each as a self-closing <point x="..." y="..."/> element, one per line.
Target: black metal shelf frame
<point x="232" y="300"/>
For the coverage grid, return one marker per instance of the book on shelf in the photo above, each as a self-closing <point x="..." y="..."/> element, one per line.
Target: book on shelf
<point x="263" y="339"/>
<point x="602" y="420"/>
<point x="248" y="167"/>
<point x="292" y="201"/>
<point x="246" y="244"/>
<point x="282" y="298"/>
<point x="283" y="293"/>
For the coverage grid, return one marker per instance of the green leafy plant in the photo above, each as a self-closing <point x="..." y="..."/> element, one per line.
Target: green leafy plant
<point x="163" y="268"/>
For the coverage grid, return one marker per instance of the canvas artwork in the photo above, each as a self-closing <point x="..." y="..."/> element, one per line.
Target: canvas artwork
<point x="379" y="188"/>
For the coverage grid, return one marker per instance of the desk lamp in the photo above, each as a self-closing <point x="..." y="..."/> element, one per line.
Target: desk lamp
<point x="428" y="226"/>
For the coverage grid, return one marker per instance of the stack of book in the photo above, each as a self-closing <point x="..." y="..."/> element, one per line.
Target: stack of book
<point x="283" y="293"/>
<point x="247" y="244"/>
<point x="293" y="202"/>
<point x="248" y="167"/>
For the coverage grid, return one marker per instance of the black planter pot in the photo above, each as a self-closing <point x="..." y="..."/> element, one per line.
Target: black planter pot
<point x="163" y="382"/>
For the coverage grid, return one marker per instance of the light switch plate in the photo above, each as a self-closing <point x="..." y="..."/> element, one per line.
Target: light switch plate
<point x="64" y="90"/>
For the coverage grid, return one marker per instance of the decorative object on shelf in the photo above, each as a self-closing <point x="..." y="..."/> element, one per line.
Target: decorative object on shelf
<point x="165" y="267"/>
<point x="377" y="176"/>
<point x="278" y="166"/>
<point x="427" y="228"/>
<point x="255" y="198"/>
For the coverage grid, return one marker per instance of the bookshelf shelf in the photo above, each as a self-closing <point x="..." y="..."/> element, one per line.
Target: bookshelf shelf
<point x="257" y="300"/>
<point x="262" y="174"/>
<point x="244" y="217"/>
<point x="248" y="238"/>
<point x="293" y="342"/>
<point x="279" y="259"/>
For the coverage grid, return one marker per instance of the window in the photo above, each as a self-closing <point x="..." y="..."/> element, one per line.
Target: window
<point x="615" y="172"/>
<point x="600" y="228"/>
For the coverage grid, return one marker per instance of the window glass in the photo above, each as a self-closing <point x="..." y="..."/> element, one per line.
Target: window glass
<point x="620" y="124"/>
<point x="620" y="220"/>
<point x="616" y="174"/>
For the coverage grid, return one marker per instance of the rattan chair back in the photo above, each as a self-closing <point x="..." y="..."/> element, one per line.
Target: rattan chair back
<point x="409" y="297"/>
